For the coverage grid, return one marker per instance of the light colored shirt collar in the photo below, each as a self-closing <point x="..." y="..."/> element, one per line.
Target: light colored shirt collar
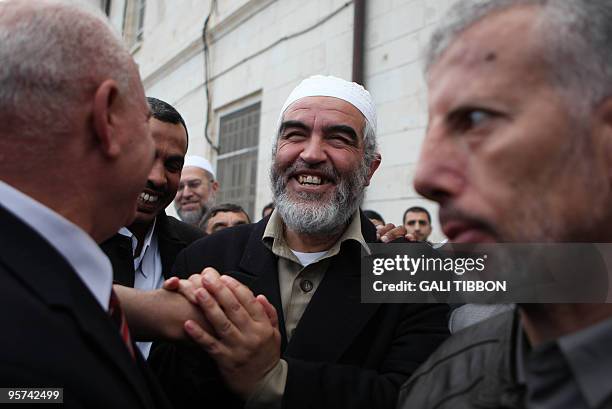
<point x="274" y="237"/>
<point x="78" y="248"/>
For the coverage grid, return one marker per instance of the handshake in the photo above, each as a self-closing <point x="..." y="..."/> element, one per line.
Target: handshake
<point x="236" y="328"/>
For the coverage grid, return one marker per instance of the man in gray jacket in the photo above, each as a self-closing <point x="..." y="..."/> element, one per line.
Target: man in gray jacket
<point x="519" y="149"/>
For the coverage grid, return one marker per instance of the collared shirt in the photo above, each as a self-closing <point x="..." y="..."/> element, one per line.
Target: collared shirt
<point x="148" y="274"/>
<point x="77" y="247"/>
<point x="297" y="285"/>
<point x="573" y="371"/>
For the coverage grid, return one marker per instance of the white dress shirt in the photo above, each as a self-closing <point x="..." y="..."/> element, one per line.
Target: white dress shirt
<point x="147" y="268"/>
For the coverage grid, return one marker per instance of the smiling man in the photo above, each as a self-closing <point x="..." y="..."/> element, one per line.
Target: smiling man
<point x="197" y="190"/>
<point x="519" y="142"/>
<point x="142" y="254"/>
<point x="332" y="351"/>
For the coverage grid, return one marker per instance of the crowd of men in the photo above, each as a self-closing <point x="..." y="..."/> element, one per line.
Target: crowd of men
<point x="269" y="314"/>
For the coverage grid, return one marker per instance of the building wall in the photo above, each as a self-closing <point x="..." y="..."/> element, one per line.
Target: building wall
<point x="95" y="3"/>
<point x="396" y="35"/>
<point x="255" y="56"/>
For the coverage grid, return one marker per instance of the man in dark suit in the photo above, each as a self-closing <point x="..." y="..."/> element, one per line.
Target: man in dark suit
<point x="329" y="350"/>
<point x="76" y="151"/>
<point x="142" y="254"/>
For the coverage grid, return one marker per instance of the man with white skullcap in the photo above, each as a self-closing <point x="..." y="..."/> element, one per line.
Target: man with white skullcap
<point x="196" y="191"/>
<point x="318" y="346"/>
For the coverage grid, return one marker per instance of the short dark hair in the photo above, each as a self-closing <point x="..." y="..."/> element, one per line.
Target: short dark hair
<point x="222" y="208"/>
<point x="416" y="209"/>
<point x="266" y="207"/>
<point x="371" y="214"/>
<point x="165" y="112"/>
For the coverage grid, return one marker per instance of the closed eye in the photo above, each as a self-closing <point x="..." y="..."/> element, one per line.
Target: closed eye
<point x="175" y="164"/>
<point x="343" y="134"/>
<point x="344" y="139"/>
<point x="293" y="135"/>
<point x="293" y="130"/>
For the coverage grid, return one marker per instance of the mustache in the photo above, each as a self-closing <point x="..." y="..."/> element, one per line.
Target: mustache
<point x="151" y="186"/>
<point x="451" y="212"/>
<point x="326" y="170"/>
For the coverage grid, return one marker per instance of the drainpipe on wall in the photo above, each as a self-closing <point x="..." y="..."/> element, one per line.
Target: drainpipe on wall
<point x="359" y="18"/>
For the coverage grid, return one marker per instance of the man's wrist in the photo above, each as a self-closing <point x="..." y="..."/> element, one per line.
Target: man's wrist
<point x="269" y="391"/>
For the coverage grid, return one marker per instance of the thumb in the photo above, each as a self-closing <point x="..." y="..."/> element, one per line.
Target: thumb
<point x="269" y="309"/>
<point x="171" y="284"/>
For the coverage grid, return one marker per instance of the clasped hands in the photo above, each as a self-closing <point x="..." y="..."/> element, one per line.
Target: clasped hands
<point x="242" y="334"/>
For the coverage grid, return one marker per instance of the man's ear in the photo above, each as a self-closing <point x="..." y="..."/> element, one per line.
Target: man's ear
<point x="214" y="186"/>
<point x="375" y="164"/>
<point x="105" y="108"/>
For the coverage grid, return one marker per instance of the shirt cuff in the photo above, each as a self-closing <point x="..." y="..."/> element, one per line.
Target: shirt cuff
<point x="269" y="391"/>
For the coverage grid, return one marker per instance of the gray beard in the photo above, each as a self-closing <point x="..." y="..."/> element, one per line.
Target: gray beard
<point x="192" y="217"/>
<point x="305" y="213"/>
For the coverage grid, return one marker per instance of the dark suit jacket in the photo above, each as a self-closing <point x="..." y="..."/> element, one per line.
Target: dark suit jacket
<point x="55" y="334"/>
<point x="172" y="235"/>
<point x="343" y="354"/>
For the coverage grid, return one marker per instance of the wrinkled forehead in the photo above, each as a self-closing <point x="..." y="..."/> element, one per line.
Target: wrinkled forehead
<point x="511" y="37"/>
<point x="496" y="58"/>
<point x="330" y="110"/>
<point x="193" y="172"/>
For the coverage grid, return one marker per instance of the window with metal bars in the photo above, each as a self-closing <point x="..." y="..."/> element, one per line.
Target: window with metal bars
<point x="133" y="22"/>
<point x="237" y="159"/>
<point x="106" y="6"/>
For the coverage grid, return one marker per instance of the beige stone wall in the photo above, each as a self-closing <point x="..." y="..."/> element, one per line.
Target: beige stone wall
<point x="172" y="66"/>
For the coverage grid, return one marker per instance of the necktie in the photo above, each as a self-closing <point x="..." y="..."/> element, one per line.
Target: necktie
<point x="118" y="317"/>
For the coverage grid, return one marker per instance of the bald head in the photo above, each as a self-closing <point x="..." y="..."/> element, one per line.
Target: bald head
<point x="54" y="54"/>
<point x="75" y="133"/>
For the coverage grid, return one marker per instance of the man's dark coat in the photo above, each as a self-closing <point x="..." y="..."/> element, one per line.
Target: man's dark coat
<point x="343" y="354"/>
<point x="172" y="235"/>
<point x="55" y="334"/>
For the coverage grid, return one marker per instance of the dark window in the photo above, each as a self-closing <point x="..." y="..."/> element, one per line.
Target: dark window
<point x="133" y="21"/>
<point x="106" y="7"/>
<point x="237" y="160"/>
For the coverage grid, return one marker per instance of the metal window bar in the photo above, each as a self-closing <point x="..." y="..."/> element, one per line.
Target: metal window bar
<point x="142" y="4"/>
<point x="237" y="160"/>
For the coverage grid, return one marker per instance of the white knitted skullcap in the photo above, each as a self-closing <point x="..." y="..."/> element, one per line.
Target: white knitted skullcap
<point x="199" y="162"/>
<point x="329" y="86"/>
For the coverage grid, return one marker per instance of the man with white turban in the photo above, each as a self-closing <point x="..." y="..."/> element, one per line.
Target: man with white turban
<point x="325" y="349"/>
<point x="196" y="191"/>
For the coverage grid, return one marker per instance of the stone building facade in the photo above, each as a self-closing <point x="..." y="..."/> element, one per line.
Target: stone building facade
<point x="234" y="83"/>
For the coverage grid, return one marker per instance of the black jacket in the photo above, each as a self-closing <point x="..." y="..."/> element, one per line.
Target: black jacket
<point x="343" y="353"/>
<point x="55" y="334"/>
<point x="172" y="235"/>
<point x="473" y="369"/>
